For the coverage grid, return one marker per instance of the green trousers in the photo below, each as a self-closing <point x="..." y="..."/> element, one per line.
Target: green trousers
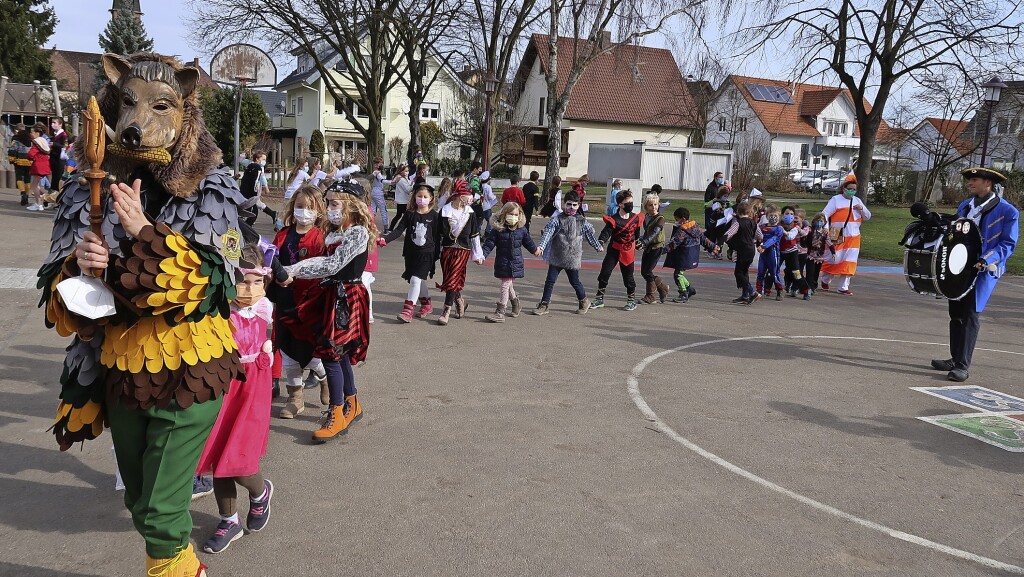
<point x="157" y="453"/>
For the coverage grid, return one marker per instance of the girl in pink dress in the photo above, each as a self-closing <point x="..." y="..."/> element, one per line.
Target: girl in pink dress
<point x="239" y="437"/>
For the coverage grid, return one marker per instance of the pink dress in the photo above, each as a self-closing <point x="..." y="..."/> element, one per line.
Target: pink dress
<point x="239" y="437"/>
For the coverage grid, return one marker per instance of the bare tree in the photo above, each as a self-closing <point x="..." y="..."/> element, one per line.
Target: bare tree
<point x="421" y="27"/>
<point x="953" y="99"/>
<point x="353" y="40"/>
<point x="703" y="71"/>
<point x="587" y="23"/>
<point x="880" y="44"/>
<point x="494" y="31"/>
<point x="464" y="124"/>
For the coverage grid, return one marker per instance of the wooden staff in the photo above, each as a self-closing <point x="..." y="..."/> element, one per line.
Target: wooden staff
<point x="95" y="148"/>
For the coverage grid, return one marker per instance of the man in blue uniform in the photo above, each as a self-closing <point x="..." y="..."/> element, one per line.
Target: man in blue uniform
<point x="997" y="220"/>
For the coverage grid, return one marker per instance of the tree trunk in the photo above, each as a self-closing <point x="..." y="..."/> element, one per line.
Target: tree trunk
<point x="868" y="133"/>
<point x="556" y="114"/>
<point x="415" y="101"/>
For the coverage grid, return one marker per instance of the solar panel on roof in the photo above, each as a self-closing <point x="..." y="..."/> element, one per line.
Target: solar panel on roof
<point x="766" y="93"/>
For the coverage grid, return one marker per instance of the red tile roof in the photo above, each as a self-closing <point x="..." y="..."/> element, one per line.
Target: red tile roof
<point x="952" y="131"/>
<point x="628" y="85"/>
<point x="808" y="100"/>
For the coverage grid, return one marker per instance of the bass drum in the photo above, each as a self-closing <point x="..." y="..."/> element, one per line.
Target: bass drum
<point x="943" y="265"/>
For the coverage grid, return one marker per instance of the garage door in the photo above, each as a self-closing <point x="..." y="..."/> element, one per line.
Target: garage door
<point x="703" y="166"/>
<point x="662" y="167"/>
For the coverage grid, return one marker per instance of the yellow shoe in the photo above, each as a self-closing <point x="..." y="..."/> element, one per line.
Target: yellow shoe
<point x="184" y="564"/>
<point x="353" y="410"/>
<point x="334" y="424"/>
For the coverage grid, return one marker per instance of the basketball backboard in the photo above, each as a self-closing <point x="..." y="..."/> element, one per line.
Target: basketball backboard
<point x="243" y="64"/>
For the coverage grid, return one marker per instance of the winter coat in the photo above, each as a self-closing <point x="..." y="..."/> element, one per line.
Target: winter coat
<point x="508" y="260"/>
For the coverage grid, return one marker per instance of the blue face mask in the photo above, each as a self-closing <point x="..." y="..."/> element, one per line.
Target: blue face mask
<point x="720" y="181"/>
<point x="787" y="219"/>
<point x="819" y="224"/>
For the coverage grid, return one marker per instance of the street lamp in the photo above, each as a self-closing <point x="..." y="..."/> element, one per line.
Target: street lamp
<point x="490" y="87"/>
<point x="992" y="91"/>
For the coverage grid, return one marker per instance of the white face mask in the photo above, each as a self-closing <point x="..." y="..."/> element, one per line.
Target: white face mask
<point x="512" y="219"/>
<point x="334" y="216"/>
<point x="304" y="216"/>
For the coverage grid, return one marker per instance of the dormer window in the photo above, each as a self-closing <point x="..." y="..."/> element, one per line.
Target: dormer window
<point x="835" y="128"/>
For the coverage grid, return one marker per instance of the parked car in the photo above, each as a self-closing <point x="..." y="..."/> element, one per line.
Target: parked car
<point x="832" y="186"/>
<point x="813" y="181"/>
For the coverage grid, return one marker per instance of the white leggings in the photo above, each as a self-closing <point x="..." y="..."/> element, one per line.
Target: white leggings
<point x="507" y="291"/>
<point x="291" y="370"/>
<point x="844" y="280"/>
<point x="417" y="289"/>
<point x="367" y="282"/>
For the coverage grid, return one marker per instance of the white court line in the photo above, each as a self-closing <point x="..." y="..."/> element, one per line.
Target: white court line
<point x="633" y="383"/>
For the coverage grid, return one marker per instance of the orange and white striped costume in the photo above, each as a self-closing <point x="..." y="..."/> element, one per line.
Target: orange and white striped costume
<point x="839" y="207"/>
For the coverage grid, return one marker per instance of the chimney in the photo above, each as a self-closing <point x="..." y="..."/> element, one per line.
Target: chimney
<point x="605" y="40"/>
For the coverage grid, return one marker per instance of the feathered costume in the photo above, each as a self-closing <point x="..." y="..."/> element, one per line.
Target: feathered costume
<point x="155" y="371"/>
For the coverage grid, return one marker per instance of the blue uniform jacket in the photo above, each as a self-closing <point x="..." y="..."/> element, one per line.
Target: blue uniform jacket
<point x="999" y="231"/>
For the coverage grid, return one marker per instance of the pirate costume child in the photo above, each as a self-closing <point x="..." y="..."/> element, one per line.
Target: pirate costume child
<point x="460" y="239"/>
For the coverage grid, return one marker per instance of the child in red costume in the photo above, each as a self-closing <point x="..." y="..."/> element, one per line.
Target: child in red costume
<point x="622" y="229"/>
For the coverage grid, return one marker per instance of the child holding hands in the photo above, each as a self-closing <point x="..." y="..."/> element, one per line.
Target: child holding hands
<point x="509" y="236"/>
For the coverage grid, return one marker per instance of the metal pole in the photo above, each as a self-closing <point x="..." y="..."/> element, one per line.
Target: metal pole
<point x="238" y="118"/>
<point x="988" y="128"/>
<point x="56" y="99"/>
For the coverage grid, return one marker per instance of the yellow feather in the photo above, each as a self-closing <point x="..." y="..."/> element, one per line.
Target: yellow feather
<point x="154" y="365"/>
<point x="172" y="361"/>
<point x="190" y="357"/>
<point x="90" y="412"/>
<point x="97" y="428"/>
<point x="75" y="421"/>
<point x="197" y="293"/>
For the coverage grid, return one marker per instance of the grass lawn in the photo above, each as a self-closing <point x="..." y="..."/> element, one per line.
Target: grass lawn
<point x="880" y="234"/>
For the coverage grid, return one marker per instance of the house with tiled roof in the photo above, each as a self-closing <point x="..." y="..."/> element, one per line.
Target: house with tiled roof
<point x="780" y="123"/>
<point x="309" y="106"/>
<point x="630" y="94"/>
<point x="937" y="141"/>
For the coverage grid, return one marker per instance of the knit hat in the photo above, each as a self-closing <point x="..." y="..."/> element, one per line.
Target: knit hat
<point x="850" y="179"/>
<point x="485" y="175"/>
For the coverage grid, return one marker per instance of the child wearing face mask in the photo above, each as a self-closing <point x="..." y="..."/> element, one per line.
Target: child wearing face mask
<point x="239" y="437"/>
<point x="422" y="231"/>
<point x="684" y="251"/>
<point x="622" y="230"/>
<point x="818" y="244"/>
<point x="770" y="259"/>
<point x="509" y="236"/>
<point x="345" y="334"/>
<point x="792" y="235"/>
<point x="460" y="240"/>
<point x="296" y="306"/>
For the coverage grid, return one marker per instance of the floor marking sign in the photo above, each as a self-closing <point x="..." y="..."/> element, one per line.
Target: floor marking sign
<point x="1002" y="431"/>
<point x="999" y="423"/>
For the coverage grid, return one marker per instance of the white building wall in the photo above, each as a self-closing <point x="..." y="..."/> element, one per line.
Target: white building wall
<point x="528" y="108"/>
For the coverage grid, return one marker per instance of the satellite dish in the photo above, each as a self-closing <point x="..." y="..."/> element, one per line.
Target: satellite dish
<point x="243" y="64"/>
<point x="282" y="106"/>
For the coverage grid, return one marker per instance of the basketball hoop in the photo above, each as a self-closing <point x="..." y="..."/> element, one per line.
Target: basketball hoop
<point x="242" y="66"/>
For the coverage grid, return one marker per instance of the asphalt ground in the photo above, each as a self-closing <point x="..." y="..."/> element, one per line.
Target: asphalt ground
<point x="569" y="445"/>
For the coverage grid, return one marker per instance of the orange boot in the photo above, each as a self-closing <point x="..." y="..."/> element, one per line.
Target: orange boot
<point x="184" y="564"/>
<point x="353" y="410"/>
<point x="334" y="425"/>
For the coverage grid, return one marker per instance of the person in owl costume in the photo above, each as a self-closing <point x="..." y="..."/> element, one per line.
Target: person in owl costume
<point x="155" y="371"/>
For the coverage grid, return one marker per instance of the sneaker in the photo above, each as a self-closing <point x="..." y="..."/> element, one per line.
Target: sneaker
<point x="630" y="305"/>
<point x="792" y="293"/>
<point x="201" y="487"/>
<point x="226" y="534"/>
<point x="691" y="292"/>
<point x="824" y="286"/>
<point x="943" y="365"/>
<point x="542" y="309"/>
<point x="597" y="303"/>
<point x="739" y="300"/>
<point x="259" y="511"/>
<point x="807" y="296"/>
<point x="584" y="306"/>
<point x="846" y="292"/>
<point x="778" y="295"/>
<point x="754" y="298"/>
<point x="34" y="207"/>
<point x="682" y="298"/>
<point x="958" y="375"/>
